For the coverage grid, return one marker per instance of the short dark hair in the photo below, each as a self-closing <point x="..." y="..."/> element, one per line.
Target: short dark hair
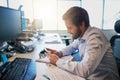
<point x="77" y="15"/>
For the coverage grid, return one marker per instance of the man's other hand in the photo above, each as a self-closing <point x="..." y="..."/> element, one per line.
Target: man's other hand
<point x="52" y="51"/>
<point x="53" y="58"/>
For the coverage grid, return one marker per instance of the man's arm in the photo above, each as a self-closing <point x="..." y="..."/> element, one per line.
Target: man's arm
<point x="94" y="52"/>
<point x="65" y="51"/>
<point x="68" y="50"/>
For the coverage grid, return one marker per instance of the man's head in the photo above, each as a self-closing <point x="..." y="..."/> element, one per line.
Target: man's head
<point x="77" y="21"/>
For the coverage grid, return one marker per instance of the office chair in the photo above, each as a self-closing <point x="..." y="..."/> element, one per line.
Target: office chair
<point x="115" y="43"/>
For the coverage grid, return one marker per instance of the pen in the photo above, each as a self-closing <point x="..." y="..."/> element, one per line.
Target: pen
<point x="46" y="77"/>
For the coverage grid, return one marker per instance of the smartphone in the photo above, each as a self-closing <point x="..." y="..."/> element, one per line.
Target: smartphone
<point x="45" y="51"/>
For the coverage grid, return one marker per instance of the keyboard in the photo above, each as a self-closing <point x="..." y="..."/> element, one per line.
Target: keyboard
<point x="19" y="69"/>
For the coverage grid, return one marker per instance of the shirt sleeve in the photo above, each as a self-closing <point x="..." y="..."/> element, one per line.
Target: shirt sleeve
<point x="94" y="51"/>
<point x="71" y="48"/>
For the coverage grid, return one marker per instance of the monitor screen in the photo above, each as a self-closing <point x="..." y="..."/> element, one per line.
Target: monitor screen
<point x="10" y="24"/>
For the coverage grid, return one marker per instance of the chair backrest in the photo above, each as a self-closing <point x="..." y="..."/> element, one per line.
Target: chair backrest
<point x="115" y="43"/>
<point x="116" y="48"/>
<point x="115" y="40"/>
<point x="117" y="26"/>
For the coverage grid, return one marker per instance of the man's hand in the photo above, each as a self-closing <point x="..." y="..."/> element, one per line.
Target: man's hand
<point x="52" y="51"/>
<point x="53" y="58"/>
<point x="59" y="54"/>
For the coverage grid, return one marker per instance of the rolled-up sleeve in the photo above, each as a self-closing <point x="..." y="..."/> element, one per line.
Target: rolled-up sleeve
<point x="94" y="51"/>
<point x="71" y="48"/>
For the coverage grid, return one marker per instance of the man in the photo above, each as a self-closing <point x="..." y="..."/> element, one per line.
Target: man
<point x="97" y="61"/>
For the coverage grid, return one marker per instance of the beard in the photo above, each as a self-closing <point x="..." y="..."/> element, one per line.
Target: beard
<point x="77" y="34"/>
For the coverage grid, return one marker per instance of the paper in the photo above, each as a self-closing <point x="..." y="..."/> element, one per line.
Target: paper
<point x="46" y="59"/>
<point x="43" y="60"/>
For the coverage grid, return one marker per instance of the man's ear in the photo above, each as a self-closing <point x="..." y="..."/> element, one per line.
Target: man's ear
<point x="82" y="25"/>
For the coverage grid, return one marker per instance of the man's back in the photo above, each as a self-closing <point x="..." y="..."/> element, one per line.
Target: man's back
<point x="106" y="69"/>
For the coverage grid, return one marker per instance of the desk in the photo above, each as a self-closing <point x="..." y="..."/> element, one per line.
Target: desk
<point x="53" y="72"/>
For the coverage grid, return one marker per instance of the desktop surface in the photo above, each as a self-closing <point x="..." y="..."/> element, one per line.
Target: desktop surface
<point x="45" y="70"/>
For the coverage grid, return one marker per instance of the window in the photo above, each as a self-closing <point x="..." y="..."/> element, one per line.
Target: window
<point x="102" y="13"/>
<point x="94" y="8"/>
<point x="51" y="11"/>
<point x="46" y="10"/>
<point x="62" y="7"/>
<point x="3" y="3"/>
<point x="112" y="13"/>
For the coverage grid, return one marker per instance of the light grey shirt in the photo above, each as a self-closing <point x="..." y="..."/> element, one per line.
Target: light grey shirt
<point x="97" y="61"/>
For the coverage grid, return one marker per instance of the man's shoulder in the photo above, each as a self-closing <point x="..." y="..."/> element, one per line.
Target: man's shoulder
<point x="93" y="30"/>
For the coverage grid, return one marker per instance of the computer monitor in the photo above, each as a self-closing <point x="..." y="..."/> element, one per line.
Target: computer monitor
<point x="10" y="24"/>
